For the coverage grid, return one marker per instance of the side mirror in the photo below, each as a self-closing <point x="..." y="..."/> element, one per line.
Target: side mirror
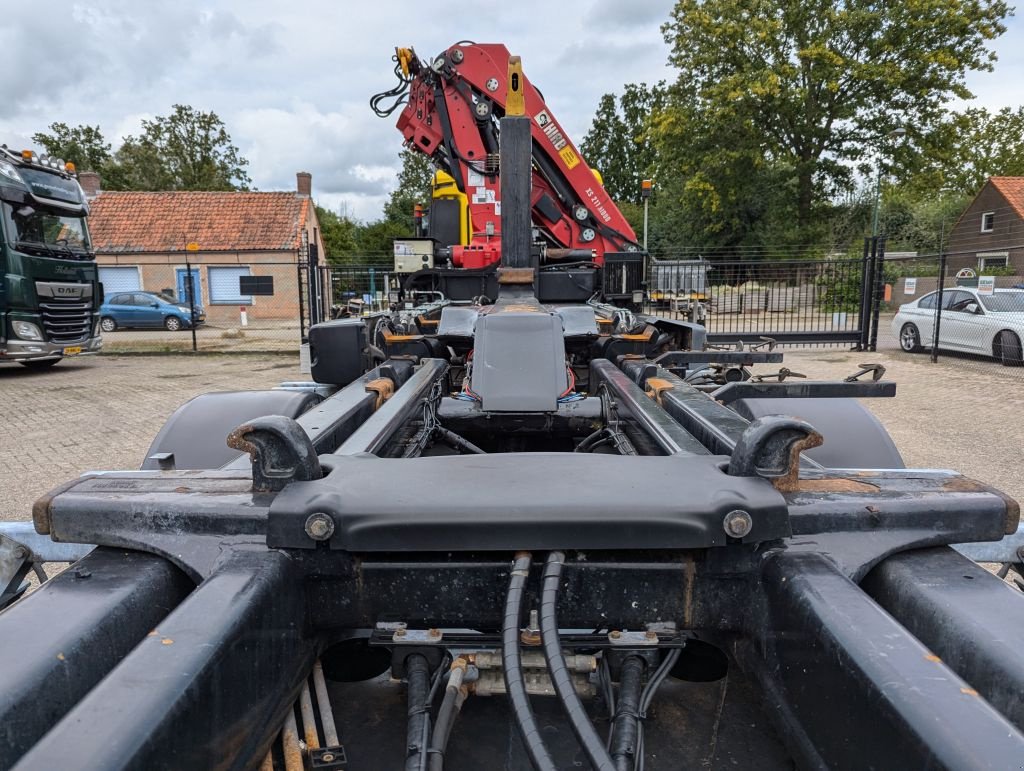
<point x="973" y="308"/>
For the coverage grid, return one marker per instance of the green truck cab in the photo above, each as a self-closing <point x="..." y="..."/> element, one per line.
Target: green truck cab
<point x="50" y="293"/>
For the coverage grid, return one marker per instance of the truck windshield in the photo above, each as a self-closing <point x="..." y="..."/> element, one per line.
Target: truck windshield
<point x="45" y="232"/>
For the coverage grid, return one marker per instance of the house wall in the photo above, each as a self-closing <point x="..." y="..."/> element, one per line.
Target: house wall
<point x="159" y="271"/>
<point x="967" y="242"/>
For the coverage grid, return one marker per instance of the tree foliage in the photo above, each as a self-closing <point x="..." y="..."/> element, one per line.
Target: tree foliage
<point x="339" y="234"/>
<point x="414" y="181"/>
<point x="619" y="143"/>
<point x="812" y="84"/>
<point x="186" y="150"/>
<point x="83" y="145"/>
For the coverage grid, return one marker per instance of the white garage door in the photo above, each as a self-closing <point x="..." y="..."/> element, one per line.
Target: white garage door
<point x="224" y="287"/>
<point x="119" y="280"/>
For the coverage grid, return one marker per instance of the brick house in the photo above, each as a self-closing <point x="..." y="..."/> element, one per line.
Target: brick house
<point x="990" y="232"/>
<point x="141" y="242"/>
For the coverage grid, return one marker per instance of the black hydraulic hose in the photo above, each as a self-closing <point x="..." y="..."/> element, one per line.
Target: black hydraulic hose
<point x="559" y="670"/>
<point x="418" y="674"/>
<point x="512" y="667"/>
<point x="454" y="696"/>
<point x="625" y="730"/>
<point x="453" y="439"/>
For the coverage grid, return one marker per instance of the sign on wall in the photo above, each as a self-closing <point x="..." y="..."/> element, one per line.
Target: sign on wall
<point x="986" y="284"/>
<point x="909" y="286"/>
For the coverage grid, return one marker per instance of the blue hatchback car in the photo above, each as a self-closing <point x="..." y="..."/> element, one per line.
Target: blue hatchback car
<point x="145" y="309"/>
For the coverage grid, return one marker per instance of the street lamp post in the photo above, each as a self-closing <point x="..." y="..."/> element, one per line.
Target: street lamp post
<point x="898" y="132"/>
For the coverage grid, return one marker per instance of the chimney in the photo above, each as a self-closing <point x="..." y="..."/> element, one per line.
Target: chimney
<point x="304" y="184"/>
<point x="90" y="182"/>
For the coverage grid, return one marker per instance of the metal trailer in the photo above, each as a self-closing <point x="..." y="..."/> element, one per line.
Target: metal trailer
<point x="517" y="535"/>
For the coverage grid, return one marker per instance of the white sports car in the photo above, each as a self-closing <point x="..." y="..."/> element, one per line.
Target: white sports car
<point x="987" y="324"/>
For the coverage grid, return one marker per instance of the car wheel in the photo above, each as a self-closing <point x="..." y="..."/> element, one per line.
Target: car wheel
<point x="172" y="323"/>
<point x="44" y="364"/>
<point x="1008" y="349"/>
<point x="910" y="339"/>
<point x="107" y="324"/>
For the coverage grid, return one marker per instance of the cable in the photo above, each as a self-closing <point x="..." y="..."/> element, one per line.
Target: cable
<point x="559" y="671"/>
<point x="418" y="675"/>
<point x="454" y="696"/>
<point x="648" y="696"/>
<point x="625" y="731"/>
<point x="398" y="93"/>
<point x="512" y="666"/>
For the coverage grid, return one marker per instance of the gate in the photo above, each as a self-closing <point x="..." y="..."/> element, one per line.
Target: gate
<point x="827" y="301"/>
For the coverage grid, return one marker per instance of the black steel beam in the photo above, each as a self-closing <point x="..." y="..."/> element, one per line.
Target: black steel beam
<point x="375" y="433"/>
<point x="631" y="399"/>
<point x="804" y="389"/>
<point x="710" y="356"/>
<point x="717" y="427"/>
<point x="861" y="691"/>
<point x="785" y="338"/>
<point x="571" y="418"/>
<point x="208" y="688"/>
<point x="516" y="148"/>
<point x="61" y="640"/>
<point x="966" y="615"/>
<point x="335" y="419"/>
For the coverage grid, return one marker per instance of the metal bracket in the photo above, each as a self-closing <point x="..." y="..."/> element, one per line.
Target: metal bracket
<point x="876" y="370"/>
<point x="384" y="388"/>
<point x="15" y="562"/>
<point x="328" y="758"/>
<point x="654" y="387"/>
<point x="781" y="375"/>
<point x="281" y="452"/>
<point x="770" y="447"/>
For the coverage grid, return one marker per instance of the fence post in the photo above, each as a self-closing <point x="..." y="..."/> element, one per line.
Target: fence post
<point x="190" y="290"/>
<point x="879" y="281"/>
<point x="867" y="271"/>
<point x="938" y="299"/>
<point x="302" y="308"/>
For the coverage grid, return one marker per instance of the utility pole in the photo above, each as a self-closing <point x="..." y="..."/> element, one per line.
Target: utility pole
<point x="645" y="193"/>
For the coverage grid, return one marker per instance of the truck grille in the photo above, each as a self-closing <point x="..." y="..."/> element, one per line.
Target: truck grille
<point x="66" y="319"/>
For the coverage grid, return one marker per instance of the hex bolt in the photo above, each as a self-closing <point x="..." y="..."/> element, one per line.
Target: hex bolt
<point x="650" y="634"/>
<point x="738" y="523"/>
<point x="399" y="633"/>
<point x="433" y="633"/>
<point x="615" y="634"/>
<point x="319" y="526"/>
<point x="20" y="552"/>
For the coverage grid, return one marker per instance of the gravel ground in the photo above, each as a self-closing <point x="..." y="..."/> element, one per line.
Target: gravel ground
<point x="102" y="412"/>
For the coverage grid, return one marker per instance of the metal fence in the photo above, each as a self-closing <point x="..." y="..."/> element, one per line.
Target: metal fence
<point x="792" y="301"/>
<point x="964" y="316"/>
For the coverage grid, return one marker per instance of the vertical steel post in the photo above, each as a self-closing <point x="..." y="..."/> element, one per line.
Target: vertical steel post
<point x="190" y="288"/>
<point x="938" y="299"/>
<point x="302" y="309"/>
<point x="879" y="289"/>
<point x="867" y="274"/>
<point x="516" y="157"/>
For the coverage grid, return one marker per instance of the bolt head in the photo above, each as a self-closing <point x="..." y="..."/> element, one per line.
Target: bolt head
<point x="319" y="526"/>
<point x="327" y="757"/>
<point x="738" y="523"/>
<point x="492" y="84"/>
<point x="20" y="552"/>
<point x="458" y="56"/>
<point x="650" y="634"/>
<point x="615" y="634"/>
<point x="399" y="633"/>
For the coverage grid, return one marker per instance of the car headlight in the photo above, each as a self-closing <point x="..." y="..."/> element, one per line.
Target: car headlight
<point x="26" y="330"/>
<point x="184" y="309"/>
<point x="8" y="170"/>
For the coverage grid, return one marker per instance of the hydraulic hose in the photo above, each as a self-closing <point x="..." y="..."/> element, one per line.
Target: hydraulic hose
<point x="559" y="671"/>
<point x="625" y="728"/>
<point x="454" y="695"/>
<point x="418" y="675"/>
<point x="512" y="667"/>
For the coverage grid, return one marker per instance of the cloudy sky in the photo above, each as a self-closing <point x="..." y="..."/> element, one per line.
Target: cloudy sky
<point x="292" y="80"/>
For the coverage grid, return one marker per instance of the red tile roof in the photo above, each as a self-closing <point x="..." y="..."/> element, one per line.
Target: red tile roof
<point x="1012" y="189"/>
<point x="165" y="222"/>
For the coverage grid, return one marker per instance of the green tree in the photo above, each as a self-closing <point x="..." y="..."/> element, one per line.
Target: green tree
<point x="815" y="82"/>
<point x="82" y="145"/>
<point x="414" y="181"/>
<point x="619" y="143"/>
<point x="186" y="150"/>
<point x="339" y="235"/>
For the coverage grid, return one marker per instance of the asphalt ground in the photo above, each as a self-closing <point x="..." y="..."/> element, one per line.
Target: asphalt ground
<point x="102" y="412"/>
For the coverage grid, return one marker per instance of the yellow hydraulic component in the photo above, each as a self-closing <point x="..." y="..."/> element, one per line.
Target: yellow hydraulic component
<point x="598" y="177"/>
<point x="443" y="188"/>
<point x="404" y="57"/>
<point x="515" y="103"/>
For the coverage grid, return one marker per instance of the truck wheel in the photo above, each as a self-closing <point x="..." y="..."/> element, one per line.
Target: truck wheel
<point x="1008" y="349"/>
<point x="910" y="339"/>
<point x="43" y="364"/>
<point x="107" y="324"/>
<point x="172" y="323"/>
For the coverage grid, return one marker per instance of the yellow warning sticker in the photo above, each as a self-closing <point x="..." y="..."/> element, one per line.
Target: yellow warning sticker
<point x="569" y="156"/>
